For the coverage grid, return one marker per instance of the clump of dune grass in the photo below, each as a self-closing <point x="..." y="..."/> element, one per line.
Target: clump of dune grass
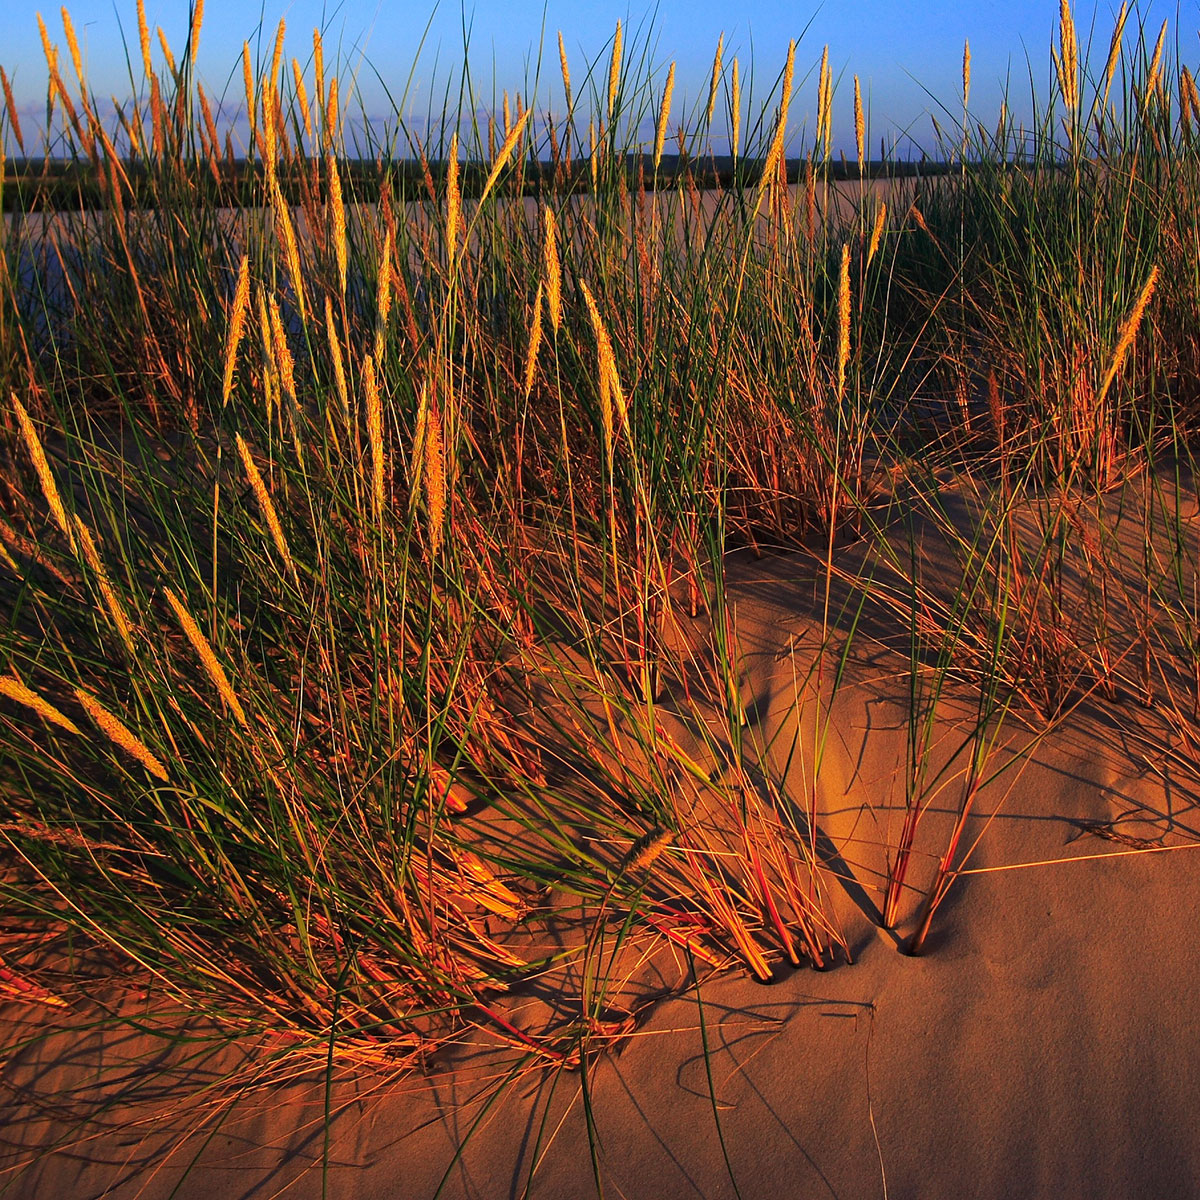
<point x="367" y="509"/>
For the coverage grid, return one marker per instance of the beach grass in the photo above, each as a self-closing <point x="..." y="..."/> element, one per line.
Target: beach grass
<point x="369" y="660"/>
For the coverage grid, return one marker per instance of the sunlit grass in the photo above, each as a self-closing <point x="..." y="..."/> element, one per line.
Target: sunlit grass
<point x="368" y="652"/>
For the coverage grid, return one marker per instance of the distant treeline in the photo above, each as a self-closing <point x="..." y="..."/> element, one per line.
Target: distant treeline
<point x="54" y="185"/>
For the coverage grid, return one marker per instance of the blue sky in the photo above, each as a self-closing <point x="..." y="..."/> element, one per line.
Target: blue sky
<point x="905" y="53"/>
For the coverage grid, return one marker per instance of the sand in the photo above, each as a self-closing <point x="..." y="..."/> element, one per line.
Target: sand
<point x="1043" y="1045"/>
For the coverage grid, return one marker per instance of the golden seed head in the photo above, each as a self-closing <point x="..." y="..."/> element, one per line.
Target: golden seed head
<point x="14" y="689"/>
<point x="318" y="67"/>
<point x="302" y="97"/>
<point x="1067" y="61"/>
<point x="825" y="105"/>
<point x="265" y="505"/>
<point x="115" y="609"/>
<point x="566" y="71"/>
<point x="13" y="118"/>
<point x="374" y="433"/>
<point x="453" y="201"/>
<point x="609" y="379"/>
<point x="286" y="235"/>
<point x="332" y="113"/>
<point x="1114" y="51"/>
<point x="335" y="353"/>
<point x="553" y="270"/>
<point x="714" y="82"/>
<point x="144" y="38"/>
<point x="614" y="72"/>
<point x="73" y="45"/>
<point x="535" y="341"/>
<point x="1188" y="83"/>
<point x="166" y="49"/>
<point x="1155" y="64"/>
<point x="337" y="214"/>
<point x="248" y="80"/>
<point x="505" y="154"/>
<point x="774" y="158"/>
<point x="119" y="735"/>
<point x="860" y="129"/>
<point x="789" y="69"/>
<point x="384" y="294"/>
<point x="877" y="232"/>
<point x="735" y="105"/>
<point x="194" y="34"/>
<point x="208" y="659"/>
<point x="210" y="125"/>
<point x="966" y="72"/>
<point x="434" y="473"/>
<point x="646" y="849"/>
<point x="843" y="340"/>
<point x="277" y="54"/>
<point x="664" y="114"/>
<point x="158" y="114"/>
<point x="237" y="323"/>
<point x="282" y="351"/>
<point x="1128" y="331"/>
<point x="38" y="456"/>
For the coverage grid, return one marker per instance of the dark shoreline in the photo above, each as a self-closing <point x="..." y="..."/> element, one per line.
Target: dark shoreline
<point x="73" y="185"/>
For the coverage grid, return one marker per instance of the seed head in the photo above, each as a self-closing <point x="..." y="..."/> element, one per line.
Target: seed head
<point x="664" y="114"/>
<point x="119" y="735"/>
<point x="14" y="689"/>
<point x="207" y="658"/>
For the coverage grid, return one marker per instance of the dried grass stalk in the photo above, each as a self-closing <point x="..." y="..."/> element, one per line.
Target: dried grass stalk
<point x="287" y="238"/>
<point x="337" y="213"/>
<point x="843" y="337"/>
<point x="73" y="46"/>
<point x="120" y="735"/>
<point x="552" y="269"/>
<point x="374" y="433"/>
<point x="825" y="105"/>
<point x="302" y="98"/>
<point x="38" y="456"/>
<point x="115" y="609"/>
<point x="453" y="202"/>
<point x="318" y="68"/>
<point x="166" y="49"/>
<point x="144" y="38"/>
<point x="1128" y="331"/>
<point x="735" y="110"/>
<point x="664" y="114"/>
<point x="614" y="73"/>
<point x="715" y="81"/>
<point x="194" y="32"/>
<point x="281" y="351"/>
<point x="207" y="658"/>
<point x="504" y="154"/>
<point x="877" y="232"/>
<point x="335" y="354"/>
<point x="566" y="72"/>
<point x="434" y="472"/>
<point x="14" y="119"/>
<point x="1114" y="51"/>
<point x="237" y="324"/>
<point x="860" y="128"/>
<point x="265" y="505"/>
<point x="535" y="341"/>
<point x="14" y="689"/>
